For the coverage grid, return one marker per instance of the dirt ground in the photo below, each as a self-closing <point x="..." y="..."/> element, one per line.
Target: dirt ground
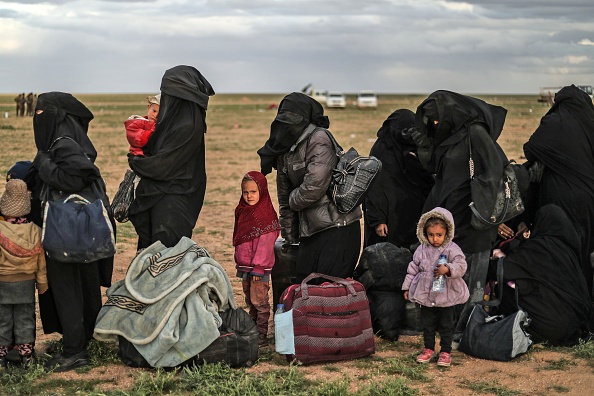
<point x="237" y="126"/>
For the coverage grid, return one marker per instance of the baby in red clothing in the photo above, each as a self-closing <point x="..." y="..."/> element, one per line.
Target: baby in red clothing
<point x="139" y="128"/>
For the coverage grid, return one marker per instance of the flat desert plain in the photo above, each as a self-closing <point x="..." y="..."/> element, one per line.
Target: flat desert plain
<point x="238" y="125"/>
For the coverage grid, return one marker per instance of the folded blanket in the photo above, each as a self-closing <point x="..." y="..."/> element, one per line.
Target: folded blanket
<point x="168" y="303"/>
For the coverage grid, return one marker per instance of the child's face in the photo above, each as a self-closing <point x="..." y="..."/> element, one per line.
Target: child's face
<point x="153" y="112"/>
<point x="436" y="234"/>
<point x="250" y="192"/>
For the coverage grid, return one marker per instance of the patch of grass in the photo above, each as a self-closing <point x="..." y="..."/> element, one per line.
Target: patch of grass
<point x="102" y="353"/>
<point x="561" y="364"/>
<point x="558" y="389"/>
<point x="489" y="387"/>
<point x="158" y="383"/>
<point x="389" y="387"/>
<point x="9" y="127"/>
<point x="331" y="369"/>
<point x="585" y="350"/>
<point x="220" y="380"/>
<point x="406" y="367"/>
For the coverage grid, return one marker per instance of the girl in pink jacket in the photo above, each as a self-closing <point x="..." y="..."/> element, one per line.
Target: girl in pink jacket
<point x="255" y="232"/>
<point x="435" y="231"/>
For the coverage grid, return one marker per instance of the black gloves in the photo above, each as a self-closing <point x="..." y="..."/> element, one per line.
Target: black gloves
<point x="535" y="172"/>
<point x="424" y="149"/>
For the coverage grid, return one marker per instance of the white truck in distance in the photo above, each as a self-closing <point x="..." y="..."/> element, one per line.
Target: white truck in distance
<point x="366" y="99"/>
<point x="336" y="99"/>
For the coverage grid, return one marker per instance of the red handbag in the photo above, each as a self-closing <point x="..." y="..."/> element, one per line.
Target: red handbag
<point x="331" y="321"/>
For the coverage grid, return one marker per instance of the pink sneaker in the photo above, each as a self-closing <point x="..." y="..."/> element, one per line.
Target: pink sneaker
<point x="425" y="356"/>
<point x="445" y="359"/>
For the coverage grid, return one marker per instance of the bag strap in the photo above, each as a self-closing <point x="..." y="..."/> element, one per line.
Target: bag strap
<point x="337" y="147"/>
<point x="348" y="284"/>
<point x="470" y="160"/>
<point x="497" y="302"/>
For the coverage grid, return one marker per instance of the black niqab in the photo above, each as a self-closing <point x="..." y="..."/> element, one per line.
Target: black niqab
<point x="546" y="270"/>
<point x="175" y="155"/>
<point x="454" y="113"/>
<point x="62" y="115"/>
<point x="285" y="130"/>
<point x="397" y="196"/>
<point x="457" y="116"/>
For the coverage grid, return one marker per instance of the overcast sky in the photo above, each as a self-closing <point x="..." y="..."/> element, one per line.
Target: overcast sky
<point x="278" y="46"/>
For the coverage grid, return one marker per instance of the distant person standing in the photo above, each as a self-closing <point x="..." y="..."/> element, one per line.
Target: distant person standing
<point x="29" y="102"/>
<point x="18" y="101"/>
<point x="23" y="102"/>
<point x="171" y="191"/>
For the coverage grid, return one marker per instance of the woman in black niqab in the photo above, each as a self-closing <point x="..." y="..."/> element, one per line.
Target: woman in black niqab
<point x="171" y="191"/>
<point x="546" y="270"/>
<point x="295" y="112"/>
<point x="395" y="199"/>
<point x="449" y="123"/>
<point x="65" y="162"/>
<point x="564" y="144"/>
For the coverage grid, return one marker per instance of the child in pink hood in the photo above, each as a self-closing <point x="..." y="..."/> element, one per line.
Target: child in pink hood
<point x="435" y="231"/>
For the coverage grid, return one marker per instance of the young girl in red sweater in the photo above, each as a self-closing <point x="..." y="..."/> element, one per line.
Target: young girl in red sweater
<point x="255" y="232"/>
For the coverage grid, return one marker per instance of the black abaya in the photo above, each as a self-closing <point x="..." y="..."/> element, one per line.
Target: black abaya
<point x="552" y="289"/>
<point x="174" y="162"/>
<point x="564" y="143"/>
<point x="397" y="195"/>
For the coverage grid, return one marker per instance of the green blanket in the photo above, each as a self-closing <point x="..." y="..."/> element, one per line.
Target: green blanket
<point x="168" y="303"/>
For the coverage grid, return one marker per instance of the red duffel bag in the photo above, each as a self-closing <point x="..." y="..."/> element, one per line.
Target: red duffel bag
<point x="331" y="321"/>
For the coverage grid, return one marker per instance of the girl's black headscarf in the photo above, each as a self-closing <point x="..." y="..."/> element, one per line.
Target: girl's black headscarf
<point x="295" y="112"/>
<point x="175" y="157"/>
<point x="546" y="269"/>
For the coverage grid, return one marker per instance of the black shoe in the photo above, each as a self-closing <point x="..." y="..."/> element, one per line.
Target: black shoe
<point x="3" y="363"/>
<point x="59" y="363"/>
<point x="27" y="361"/>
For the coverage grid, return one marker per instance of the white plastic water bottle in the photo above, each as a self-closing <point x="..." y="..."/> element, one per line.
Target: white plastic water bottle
<point x="439" y="281"/>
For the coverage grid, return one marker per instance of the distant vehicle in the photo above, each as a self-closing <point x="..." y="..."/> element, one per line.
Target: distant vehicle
<point x="366" y="99"/>
<point x="336" y="99"/>
<point x="317" y="94"/>
<point x="547" y="94"/>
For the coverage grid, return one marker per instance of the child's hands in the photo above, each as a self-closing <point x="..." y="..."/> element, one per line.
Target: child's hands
<point x="406" y="294"/>
<point x="42" y="288"/>
<point x="441" y="269"/>
<point x="256" y="278"/>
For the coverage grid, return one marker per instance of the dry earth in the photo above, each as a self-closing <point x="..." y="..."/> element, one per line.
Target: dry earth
<point x="237" y="127"/>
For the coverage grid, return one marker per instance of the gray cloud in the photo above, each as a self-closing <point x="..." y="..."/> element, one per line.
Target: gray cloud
<point x="279" y="46"/>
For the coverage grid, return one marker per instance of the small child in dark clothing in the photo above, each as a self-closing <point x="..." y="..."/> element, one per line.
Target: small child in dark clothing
<point x="255" y="232"/>
<point x="22" y="267"/>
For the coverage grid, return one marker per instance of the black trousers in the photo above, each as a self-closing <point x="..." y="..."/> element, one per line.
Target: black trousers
<point x="333" y="252"/>
<point x="171" y="218"/>
<point x="442" y="320"/>
<point x="77" y="296"/>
